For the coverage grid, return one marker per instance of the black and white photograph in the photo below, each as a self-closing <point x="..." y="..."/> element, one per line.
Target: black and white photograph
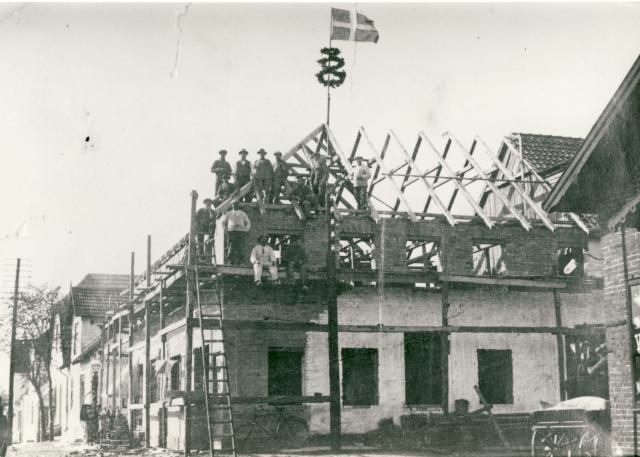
<point x="320" y="229"/>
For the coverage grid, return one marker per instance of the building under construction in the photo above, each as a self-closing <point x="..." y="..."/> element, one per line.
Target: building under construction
<point x="453" y="288"/>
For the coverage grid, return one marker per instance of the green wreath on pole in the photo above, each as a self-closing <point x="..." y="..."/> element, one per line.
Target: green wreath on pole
<point x="331" y="74"/>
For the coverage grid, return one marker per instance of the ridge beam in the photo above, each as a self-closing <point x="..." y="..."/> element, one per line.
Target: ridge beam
<point x="459" y="186"/>
<point x="523" y="220"/>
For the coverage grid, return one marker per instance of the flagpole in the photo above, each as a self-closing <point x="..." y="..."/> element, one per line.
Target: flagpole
<point x="329" y="87"/>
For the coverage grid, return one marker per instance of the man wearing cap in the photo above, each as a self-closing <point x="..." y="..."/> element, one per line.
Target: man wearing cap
<point x="221" y="168"/>
<point x="262" y="177"/>
<point x="296" y="259"/>
<point x="360" y="175"/>
<point x="236" y="223"/>
<point x="262" y="256"/>
<point x="280" y="175"/>
<point x="205" y="225"/>
<point x="225" y="190"/>
<point x="319" y="178"/>
<point x="243" y="173"/>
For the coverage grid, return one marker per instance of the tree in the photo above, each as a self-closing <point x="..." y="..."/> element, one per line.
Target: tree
<point x="35" y="330"/>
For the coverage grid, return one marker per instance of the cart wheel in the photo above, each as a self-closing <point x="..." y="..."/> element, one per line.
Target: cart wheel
<point x="554" y="443"/>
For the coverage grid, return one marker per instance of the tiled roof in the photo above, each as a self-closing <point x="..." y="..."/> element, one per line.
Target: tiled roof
<point x="104" y="281"/>
<point x="547" y="153"/>
<point x="94" y="302"/>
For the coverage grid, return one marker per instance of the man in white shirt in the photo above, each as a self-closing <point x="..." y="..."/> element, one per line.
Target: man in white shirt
<point x="360" y="175"/>
<point x="236" y="224"/>
<point x="262" y="255"/>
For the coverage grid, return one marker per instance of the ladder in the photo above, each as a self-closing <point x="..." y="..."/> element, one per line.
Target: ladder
<point x="215" y="375"/>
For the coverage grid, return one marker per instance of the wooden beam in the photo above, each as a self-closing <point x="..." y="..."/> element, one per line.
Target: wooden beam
<point x="560" y="343"/>
<point x="428" y="187"/>
<point x="536" y="208"/>
<point x="407" y="172"/>
<point x="376" y="172"/>
<point x="503" y="281"/>
<point x="523" y="221"/>
<point x="147" y="354"/>
<point x="444" y="346"/>
<point x="463" y="190"/>
<point x="465" y="169"/>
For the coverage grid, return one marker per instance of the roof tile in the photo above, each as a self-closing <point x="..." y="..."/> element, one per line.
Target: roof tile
<point x="547" y="153"/>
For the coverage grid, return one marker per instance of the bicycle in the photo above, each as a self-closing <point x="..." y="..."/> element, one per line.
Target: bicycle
<point x="269" y="429"/>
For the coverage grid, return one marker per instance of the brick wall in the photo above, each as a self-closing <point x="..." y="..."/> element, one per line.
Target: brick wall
<point x="620" y="371"/>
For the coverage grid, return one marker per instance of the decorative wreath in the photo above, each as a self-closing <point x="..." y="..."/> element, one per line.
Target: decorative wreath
<point x="331" y="74"/>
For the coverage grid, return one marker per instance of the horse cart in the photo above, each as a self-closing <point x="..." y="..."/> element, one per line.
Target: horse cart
<point x="577" y="427"/>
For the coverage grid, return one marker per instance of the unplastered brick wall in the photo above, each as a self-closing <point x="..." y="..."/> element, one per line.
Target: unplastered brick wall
<point x="619" y="360"/>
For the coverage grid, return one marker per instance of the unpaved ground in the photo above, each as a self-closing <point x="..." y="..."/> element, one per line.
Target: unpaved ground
<point x="58" y="449"/>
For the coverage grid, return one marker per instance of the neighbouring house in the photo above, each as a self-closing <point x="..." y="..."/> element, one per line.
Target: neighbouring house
<point x="75" y="354"/>
<point x="432" y="303"/>
<point x="603" y="179"/>
<point x="26" y="411"/>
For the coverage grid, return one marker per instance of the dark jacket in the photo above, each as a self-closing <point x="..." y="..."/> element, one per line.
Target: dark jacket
<point x="243" y="171"/>
<point x="295" y="253"/>
<point x="281" y="170"/>
<point x="263" y="169"/>
<point x="221" y="168"/>
<point x="205" y="220"/>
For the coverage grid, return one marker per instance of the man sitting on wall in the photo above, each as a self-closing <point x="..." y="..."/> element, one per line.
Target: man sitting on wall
<point x="262" y="255"/>
<point x="205" y="225"/>
<point x="296" y="259"/>
<point x="236" y="223"/>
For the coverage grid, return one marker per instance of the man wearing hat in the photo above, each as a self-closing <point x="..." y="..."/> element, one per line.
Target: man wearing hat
<point x="225" y="190"/>
<point x="262" y="177"/>
<point x="243" y="173"/>
<point x="205" y="225"/>
<point x="280" y="175"/>
<point x="221" y="168"/>
<point x="295" y="258"/>
<point x="262" y="256"/>
<point x="319" y="178"/>
<point x="236" y="223"/>
<point x="360" y="175"/>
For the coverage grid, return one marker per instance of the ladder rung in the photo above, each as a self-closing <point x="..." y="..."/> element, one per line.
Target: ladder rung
<point x="214" y="341"/>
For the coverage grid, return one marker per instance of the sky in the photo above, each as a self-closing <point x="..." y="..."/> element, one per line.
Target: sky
<point x="111" y="114"/>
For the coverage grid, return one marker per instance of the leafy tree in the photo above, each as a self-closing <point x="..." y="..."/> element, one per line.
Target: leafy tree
<point x="35" y="331"/>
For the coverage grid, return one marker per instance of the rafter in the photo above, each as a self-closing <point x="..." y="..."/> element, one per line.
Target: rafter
<point x="523" y="221"/>
<point x="523" y="194"/>
<point x="430" y="191"/>
<point x="385" y="170"/>
<point x="476" y="207"/>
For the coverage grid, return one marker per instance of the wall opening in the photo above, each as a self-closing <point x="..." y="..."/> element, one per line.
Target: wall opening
<point x="495" y="375"/>
<point x="285" y="371"/>
<point x="357" y="253"/>
<point x="570" y="261"/>
<point x="423" y="368"/>
<point x="423" y="255"/>
<point x="359" y="376"/>
<point x="488" y="258"/>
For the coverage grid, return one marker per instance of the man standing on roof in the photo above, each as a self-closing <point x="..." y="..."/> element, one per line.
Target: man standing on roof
<point x="319" y="178"/>
<point x="262" y="255"/>
<point x="206" y="226"/>
<point x="262" y="177"/>
<point x="360" y="175"/>
<point x="236" y="224"/>
<point x="243" y="173"/>
<point x="221" y="168"/>
<point x="280" y="175"/>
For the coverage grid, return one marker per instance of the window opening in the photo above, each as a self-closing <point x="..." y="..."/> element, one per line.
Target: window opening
<point x="423" y="256"/>
<point x="357" y="253"/>
<point x="495" y="375"/>
<point x="359" y="376"/>
<point x="423" y="368"/>
<point x="488" y="259"/>
<point x="570" y="261"/>
<point x="285" y="371"/>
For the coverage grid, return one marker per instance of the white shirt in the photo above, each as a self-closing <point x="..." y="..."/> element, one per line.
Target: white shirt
<point x="262" y="254"/>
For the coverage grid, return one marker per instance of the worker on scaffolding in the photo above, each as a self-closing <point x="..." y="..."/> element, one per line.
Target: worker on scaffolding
<point x="280" y="175"/>
<point x="262" y="177"/>
<point x="262" y="256"/>
<point x="360" y="175"/>
<point x="221" y="168"/>
<point x="225" y="190"/>
<point x="295" y="258"/>
<point x="301" y="194"/>
<point x="206" y="227"/>
<point x="236" y="224"/>
<point x="243" y="173"/>
<point x="319" y="178"/>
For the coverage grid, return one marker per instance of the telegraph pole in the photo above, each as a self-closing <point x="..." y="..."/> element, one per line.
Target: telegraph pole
<point x="332" y="318"/>
<point x="13" y="350"/>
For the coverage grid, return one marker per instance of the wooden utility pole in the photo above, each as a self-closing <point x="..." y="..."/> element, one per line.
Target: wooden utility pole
<point x="332" y="305"/>
<point x="189" y="328"/>
<point x="557" y="305"/>
<point x="12" y="362"/>
<point x="147" y="350"/>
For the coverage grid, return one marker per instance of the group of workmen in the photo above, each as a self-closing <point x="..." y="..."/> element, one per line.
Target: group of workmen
<point x="269" y="181"/>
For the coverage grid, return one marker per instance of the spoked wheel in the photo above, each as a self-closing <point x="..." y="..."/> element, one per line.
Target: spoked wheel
<point x="554" y="443"/>
<point x="250" y="437"/>
<point x="292" y="434"/>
